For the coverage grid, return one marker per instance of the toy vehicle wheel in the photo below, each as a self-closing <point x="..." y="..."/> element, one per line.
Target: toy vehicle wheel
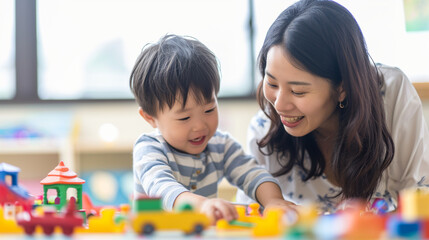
<point x="48" y="230"/>
<point x="148" y="229"/>
<point x="198" y="229"/>
<point x="29" y="230"/>
<point x="68" y="231"/>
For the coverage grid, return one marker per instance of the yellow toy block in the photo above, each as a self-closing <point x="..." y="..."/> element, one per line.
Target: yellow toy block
<point x="270" y="224"/>
<point x="414" y="204"/>
<point x="9" y="225"/>
<point x="105" y="223"/>
<point x="307" y="215"/>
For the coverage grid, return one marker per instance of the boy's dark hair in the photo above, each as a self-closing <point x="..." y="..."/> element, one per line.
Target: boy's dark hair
<point x="174" y="65"/>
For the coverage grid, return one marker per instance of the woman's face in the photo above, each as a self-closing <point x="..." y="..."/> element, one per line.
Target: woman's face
<point x="305" y="102"/>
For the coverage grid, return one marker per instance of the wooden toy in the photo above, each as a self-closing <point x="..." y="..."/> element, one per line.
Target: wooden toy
<point x="364" y="225"/>
<point x="302" y="228"/>
<point x="424" y="229"/>
<point x="11" y="192"/>
<point x="62" y="180"/>
<point x="414" y="204"/>
<point x="149" y="217"/>
<point x="259" y="225"/>
<point x="270" y="224"/>
<point x="398" y="228"/>
<point x="105" y="223"/>
<point x="51" y="219"/>
<point x="9" y="225"/>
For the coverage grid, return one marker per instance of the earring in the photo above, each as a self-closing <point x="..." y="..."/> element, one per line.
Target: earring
<point x="341" y="105"/>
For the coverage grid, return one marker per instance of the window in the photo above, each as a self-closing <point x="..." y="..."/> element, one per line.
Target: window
<point x="86" y="49"/>
<point x="7" y="49"/>
<point x="389" y="41"/>
<point x="73" y="50"/>
<point x="386" y="26"/>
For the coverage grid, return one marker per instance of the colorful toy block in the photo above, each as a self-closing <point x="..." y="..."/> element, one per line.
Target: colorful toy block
<point x="105" y="223"/>
<point x="259" y="225"/>
<point x="9" y="225"/>
<point x="397" y="228"/>
<point x="364" y="225"/>
<point x="11" y="192"/>
<point x="414" y="204"/>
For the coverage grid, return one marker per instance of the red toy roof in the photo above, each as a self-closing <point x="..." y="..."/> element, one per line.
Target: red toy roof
<point x="62" y="175"/>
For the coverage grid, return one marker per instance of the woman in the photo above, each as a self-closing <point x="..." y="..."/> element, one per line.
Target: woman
<point x="334" y="125"/>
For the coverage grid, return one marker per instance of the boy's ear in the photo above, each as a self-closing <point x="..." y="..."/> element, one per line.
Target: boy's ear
<point x="148" y="118"/>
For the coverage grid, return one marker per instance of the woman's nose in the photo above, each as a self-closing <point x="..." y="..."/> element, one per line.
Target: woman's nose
<point x="282" y="102"/>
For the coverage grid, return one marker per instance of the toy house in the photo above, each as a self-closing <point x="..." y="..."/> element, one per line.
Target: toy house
<point x="10" y="191"/>
<point x="65" y="183"/>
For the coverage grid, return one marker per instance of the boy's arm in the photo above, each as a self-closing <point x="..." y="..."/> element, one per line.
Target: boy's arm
<point x="153" y="173"/>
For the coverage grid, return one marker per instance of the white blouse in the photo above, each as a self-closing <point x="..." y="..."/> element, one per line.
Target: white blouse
<point x="409" y="167"/>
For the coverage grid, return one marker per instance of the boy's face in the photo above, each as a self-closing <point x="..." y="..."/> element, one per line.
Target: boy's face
<point x="188" y="129"/>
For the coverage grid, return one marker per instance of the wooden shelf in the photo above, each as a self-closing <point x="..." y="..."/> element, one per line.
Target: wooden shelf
<point x="29" y="146"/>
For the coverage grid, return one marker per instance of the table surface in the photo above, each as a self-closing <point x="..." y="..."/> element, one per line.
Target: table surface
<point x="170" y="235"/>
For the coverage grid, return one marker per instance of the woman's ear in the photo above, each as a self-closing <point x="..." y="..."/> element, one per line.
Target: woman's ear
<point x="341" y="93"/>
<point x="148" y="118"/>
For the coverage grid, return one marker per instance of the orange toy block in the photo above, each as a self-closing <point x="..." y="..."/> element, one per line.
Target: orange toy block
<point x="366" y="226"/>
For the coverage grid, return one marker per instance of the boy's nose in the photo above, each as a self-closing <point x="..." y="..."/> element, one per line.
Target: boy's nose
<point x="199" y="125"/>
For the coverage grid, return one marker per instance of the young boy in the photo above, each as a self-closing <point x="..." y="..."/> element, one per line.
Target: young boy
<point x="175" y="82"/>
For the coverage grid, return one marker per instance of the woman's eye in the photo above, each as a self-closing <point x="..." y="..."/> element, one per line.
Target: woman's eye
<point x="298" y="93"/>
<point x="210" y="110"/>
<point x="183" y="119"/>
<point x="271" y="85"/>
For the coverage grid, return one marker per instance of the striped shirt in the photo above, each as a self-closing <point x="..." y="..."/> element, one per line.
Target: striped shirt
<point x="162" y="171"/>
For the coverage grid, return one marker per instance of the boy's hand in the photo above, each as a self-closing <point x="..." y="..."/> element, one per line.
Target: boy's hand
<point x="214" y="208"/>
<point x="217" y="209"/>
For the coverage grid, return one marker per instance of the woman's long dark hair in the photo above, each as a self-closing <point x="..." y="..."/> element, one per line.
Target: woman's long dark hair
<point x="323" y="38"/>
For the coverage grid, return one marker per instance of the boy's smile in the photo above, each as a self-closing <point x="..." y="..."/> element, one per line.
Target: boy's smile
<point x="189" y="128"/>
<point x="198" y="141"/>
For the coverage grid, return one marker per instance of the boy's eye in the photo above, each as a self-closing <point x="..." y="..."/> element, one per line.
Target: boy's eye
<point x="210" y="110"/>
<point x="183" y="119"/>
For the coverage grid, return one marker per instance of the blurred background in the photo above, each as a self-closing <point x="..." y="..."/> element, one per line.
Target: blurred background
<point x="65" y="66"/>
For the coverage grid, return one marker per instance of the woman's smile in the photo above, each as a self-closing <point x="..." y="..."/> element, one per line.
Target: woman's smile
<point x="291" y="121"/>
